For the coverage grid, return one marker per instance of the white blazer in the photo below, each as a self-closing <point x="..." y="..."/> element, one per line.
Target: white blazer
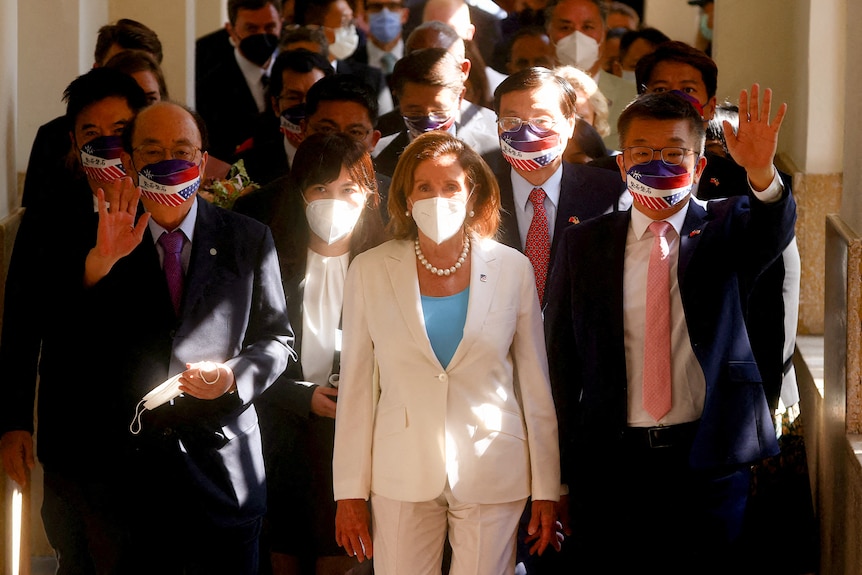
<point x="405" y="424"/>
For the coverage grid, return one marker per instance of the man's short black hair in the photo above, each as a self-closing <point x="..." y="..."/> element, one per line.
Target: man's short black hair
<point x="652" y="35"/>
<point x="129" y="132"/>
<point x="313" y="11"/>
<point x="537" y="77"/>
<point x="429" y="67"/>
<point x="300" y="61"/>
<point x="98" y="84"/>
<point x="678" y="52"/>
<point x="234" y="6"/>
<point x="129" y="35"/>
<point x="600" y="4"/>
<point x="662" y="106"/>
<point x="341" y="88"/>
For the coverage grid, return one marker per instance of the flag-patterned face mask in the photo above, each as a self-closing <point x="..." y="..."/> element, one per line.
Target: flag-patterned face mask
<point x="657" y="185"/>
<point x="169" y="182"/>
<point x="291" y="123"/>
<point x="100" y="159"/>
<point x="528" y="149"/>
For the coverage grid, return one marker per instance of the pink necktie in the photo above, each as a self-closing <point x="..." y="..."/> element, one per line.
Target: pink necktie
<point x="172" y="244"/>
<point x="538" y="246"/>
<point x="657" y="357"/>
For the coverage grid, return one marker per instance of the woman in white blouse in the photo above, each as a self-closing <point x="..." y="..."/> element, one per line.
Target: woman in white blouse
<point x="328" y="214"/>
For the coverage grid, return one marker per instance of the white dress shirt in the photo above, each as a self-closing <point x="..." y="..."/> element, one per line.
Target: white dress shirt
<point x="253" y="75"/>
<point x="688" y="385"/>
<point x="375" y="54"/>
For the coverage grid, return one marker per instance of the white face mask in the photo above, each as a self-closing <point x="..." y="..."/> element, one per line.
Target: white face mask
<point x="578" y="50"/>
<point x="629" y="75"/>
<point x="346" y="42"/>
<point x="439" y="218"/>
<point x="332" y="220"/>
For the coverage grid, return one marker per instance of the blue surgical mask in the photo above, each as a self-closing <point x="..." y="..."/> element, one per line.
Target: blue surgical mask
<point x="705" y="30"/>
<point x="385" y="25"/>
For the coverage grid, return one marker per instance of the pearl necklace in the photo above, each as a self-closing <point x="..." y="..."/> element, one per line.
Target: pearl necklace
<point x="439" y="271"/>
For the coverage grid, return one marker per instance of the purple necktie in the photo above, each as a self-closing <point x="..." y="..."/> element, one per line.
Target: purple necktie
<point x="172" y="244"/>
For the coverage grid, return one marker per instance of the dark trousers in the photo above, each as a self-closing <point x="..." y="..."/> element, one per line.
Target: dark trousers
<point x="643" y="509"/>
<point x="87" y="520"/>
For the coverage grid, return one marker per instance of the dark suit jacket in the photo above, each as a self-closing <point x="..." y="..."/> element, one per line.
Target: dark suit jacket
<point x="44" y="330"/>
<point x="263" y="154"/>
<point x="233" y="311"/>
<point x="763" y="299"/>
<point x="585" y="193"/>
<point x="224" y="101"/>
<point x="211" y="50"/>
<point x="720" y="247"/>
<point x="47" y="158"/>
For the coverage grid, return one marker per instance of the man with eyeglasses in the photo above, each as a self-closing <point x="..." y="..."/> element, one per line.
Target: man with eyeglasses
<point x="429" y="85"/>
<point x="659" y="397"/>
<point x="185" y="288"/>
<point x="268" y="154"/>
<point x="45" y="331"/>
<point x="338" y="103"/>
<point x="540" y="194"/>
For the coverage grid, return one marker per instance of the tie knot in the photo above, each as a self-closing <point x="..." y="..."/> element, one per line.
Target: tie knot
<point x="660" y="229"/>
<point x="172" y="242"/>
<point x="537" y="196"/>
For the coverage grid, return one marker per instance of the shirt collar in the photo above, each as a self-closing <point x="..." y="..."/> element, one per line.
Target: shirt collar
<point x="187" y="225"/>
<point x="375" y="54"/>
<point x="640" y="221"/>
<point x="251" y="71"/>
<point x="521" y="188"/>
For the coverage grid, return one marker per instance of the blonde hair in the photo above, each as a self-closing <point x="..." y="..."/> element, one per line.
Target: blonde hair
<point x="432" y="145"/>
<point x="582" y="82"/>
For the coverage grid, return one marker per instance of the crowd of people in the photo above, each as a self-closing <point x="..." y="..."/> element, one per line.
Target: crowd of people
<point x="492" y="304"/>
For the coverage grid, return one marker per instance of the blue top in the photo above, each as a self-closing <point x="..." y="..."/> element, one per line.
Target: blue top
<point x="444" y="322"/>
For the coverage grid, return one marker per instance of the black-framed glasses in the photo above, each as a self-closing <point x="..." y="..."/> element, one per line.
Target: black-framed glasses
<point x="152" y="153"/>
<point x="672" y="155"/>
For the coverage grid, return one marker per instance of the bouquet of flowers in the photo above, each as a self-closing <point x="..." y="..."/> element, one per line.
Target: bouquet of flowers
<point x="225" y="192"/>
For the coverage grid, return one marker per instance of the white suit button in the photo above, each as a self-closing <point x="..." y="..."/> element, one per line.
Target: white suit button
<point x="443" y="377"/>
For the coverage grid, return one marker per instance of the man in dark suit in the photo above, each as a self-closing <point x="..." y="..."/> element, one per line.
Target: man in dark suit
<point x="232" y="92"/>
<point x="533" y="160"/>
<point x="429" y="85"/>
<point x="203" y="295"/>
<point x="659" y="397"/>
<point x="82" y="510"/>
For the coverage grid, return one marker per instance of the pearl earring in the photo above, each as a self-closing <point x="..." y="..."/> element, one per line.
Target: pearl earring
<point x="472" y="213"/>
<point x="407" y="213"/>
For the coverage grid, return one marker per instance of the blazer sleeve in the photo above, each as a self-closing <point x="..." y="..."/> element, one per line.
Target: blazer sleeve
<point x="357" y="394"/>
<point x="531" y="377"/>
<point x="266" y="347"/>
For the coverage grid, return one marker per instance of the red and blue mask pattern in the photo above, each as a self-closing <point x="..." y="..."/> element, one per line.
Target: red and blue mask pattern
<point x="169" y="182"/>
<point x="528" y="150"/>
<point x="100" y="159"/>
<point x="657" y="185"/>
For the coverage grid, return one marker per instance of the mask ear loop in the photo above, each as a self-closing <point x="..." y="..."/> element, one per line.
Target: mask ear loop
<point x="135" y="426"/>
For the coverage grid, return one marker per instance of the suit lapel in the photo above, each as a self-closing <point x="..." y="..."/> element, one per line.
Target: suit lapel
<point x="484" y="275"/>
<point x="692" y="230"/>
<point x="401" y="267"/>
<point x="205" y="254"/>
<point x="508" y="234"/>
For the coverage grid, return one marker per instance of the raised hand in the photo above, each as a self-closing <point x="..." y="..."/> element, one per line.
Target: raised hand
<point x="118" y="234"/>
<point x="754" y="144"/>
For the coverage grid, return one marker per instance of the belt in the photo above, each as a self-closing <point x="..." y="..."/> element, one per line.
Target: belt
<point x="681" y="435"/>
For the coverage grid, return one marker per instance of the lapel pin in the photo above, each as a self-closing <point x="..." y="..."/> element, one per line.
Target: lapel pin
<point x="213" y="251"/>
<point x="483" y="278"/>
<point x="714" y="181"/>
<point x="574" y="220"/>
<point x="694" y="233"/>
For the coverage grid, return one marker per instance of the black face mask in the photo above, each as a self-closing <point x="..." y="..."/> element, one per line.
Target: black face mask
<point x="258" y="48"/>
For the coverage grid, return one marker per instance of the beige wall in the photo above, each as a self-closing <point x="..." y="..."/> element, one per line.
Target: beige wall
<point x="851" y="203"/>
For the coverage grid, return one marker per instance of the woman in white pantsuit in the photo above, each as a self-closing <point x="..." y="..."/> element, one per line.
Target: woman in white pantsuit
<point x="445" y="419"/>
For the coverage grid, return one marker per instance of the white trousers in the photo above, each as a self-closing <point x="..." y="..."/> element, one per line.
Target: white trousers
<point x="408" y="537"/>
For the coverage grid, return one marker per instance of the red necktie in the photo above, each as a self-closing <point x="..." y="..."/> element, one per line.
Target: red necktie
<point x="172" y="244"/>
<point x="538" y="246"/>
<point x="657" y="356"/>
